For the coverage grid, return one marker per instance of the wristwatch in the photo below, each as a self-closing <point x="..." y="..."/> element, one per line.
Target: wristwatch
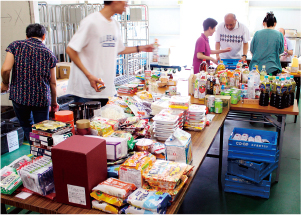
<point x="244" y="55"/>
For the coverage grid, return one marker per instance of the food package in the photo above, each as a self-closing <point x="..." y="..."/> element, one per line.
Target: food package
<point x="149" y="200"/>
<point x="165" y="174"/>
<point x="129" y="209"/>
<point x="115" y="187"/>
<point x="158" y="148"/>
<point x="10" y="180"/>
<point x="130" y="121"/>
<point x="179" y="147"/>
<point x="113" y="171"/>
<point x="144" y="132"/>
<point x="113" y="123"/>
<point x="127" y="135"/>
<point x="50" y="127"/>
<point x="132" y="169"/>
<point x="113" y="200"/>
<point x="172" y="192"/>
<point x="137" y="107"/>
<point x="138" y="126"/>
<point x="119" y="101"/>
<point x="145" y="95"/>
<point x="100" y="129"/>
<point x="112" y="111"/>
<point x="144" y="145"/>
<point x="103" y="206"/>
<point x="159" y="105"/>
<point x="179" y="102"/>
<point x="25" y="159"/>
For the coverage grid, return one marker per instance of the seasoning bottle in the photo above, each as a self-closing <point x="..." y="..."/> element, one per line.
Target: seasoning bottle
<point x="83" y="127"/>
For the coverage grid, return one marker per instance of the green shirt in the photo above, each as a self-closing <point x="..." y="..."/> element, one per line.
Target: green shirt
<point x="266" y="46"/>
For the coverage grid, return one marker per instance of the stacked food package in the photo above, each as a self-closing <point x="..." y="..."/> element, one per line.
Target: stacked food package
<point x="159" y="105"/>
<point x="128" y="88"/>
<point x="195" y="118"/>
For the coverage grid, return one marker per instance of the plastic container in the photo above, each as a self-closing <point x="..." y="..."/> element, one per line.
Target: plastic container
<point x="230" y="63"/>
<point x="83" y="127"/>
<point x="295" y="64"/>
<point x="90" y="107"/>
<point x="78" y="109"/>
<point x="65" y="116"/>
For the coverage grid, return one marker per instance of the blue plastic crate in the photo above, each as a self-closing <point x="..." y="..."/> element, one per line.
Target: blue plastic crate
<point x="239" y="185"/>
<point x="230" y="63"/>
<point x="251" y="170"/>
<point x="252" y="156"/>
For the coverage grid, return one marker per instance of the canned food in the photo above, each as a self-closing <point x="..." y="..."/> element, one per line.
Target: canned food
<point x="234" y="99"/>
<point x="210" y="104"/>
<point x="218" y="105"/>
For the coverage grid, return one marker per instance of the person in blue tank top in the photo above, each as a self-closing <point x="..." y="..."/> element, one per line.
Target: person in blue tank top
<point x="266" y="46"/>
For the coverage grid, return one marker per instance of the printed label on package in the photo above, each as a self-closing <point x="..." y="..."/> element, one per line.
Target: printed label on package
<point x="12" y="141"/>
<point x="76" y="194"/>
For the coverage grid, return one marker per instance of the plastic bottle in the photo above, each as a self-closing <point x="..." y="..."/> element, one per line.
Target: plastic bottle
<point x="239" y="64"/>
<point x="155" y="51"/>
<point x="274" y="91"/>
<point x="245" y="74"/>
<point x="256" y="76"/>
<point x="295" y="64"/>
<point x="238" y="71"/>
<point x="264" y="92"/>
<point x="244" y="93"/>
<point x="220" y="66"/>
<point x="263" y="73"/>
<point x="245" y="64"/>
<point x="292" y="91"/>
<point x="281" y="91"/>
<point x="223" y="90"/>
<point x="196" y="86"/>
<point x="203" y="66"/>
<point x="251" y="88"/>
<point x="202" y="89"/>
<point x="236" y="80"/>
<point x="208" y="85"/>
<point x="289" y="88"/>
<point x="211" y="69"/>
<point x="217" y="88"/>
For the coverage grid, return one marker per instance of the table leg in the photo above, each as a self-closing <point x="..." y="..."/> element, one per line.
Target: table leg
<point x="220" y="163"/>
<point x="3" y="209"/>
<point x="281" y="120"/>
<point x="297" y="80"/>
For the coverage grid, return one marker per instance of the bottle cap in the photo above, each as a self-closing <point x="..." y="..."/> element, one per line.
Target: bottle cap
<point x="287" y="78"/>
<point x="266" y="76"/>
<point x="223" y="86"/>
<point x="243" y="86"/>
<point x="292" y="76"/>
<point x="246" y="67"/>
<point x="254" y="68"/>
<point x="64" y="116"/>
<point x="83" y="123"/>
<point x="282" y="79"/>
<point x="277" y="77"/>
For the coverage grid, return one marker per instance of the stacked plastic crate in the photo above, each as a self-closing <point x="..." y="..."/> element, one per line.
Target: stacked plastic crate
<point x="252" y="157"/>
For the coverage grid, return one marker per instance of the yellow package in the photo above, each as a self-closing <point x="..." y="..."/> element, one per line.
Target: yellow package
<point x="100" y="196"/>
<point x="105" y="207"/>
<point x="132" y="169"/>
<point x="101" y="129"/>
<point x="144" y="95"/>
<point x="178" y="107"/>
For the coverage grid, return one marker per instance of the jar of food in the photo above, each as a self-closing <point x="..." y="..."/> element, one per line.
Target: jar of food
<point x="90" y="107"/>
<point x="83" y="127"/>
<point x="65" y="116"/>
<point x="78" y="109"/>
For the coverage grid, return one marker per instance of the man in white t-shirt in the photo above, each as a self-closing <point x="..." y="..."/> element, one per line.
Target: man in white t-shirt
<point x="93" y="50"/>
<point x="234" y="34"/>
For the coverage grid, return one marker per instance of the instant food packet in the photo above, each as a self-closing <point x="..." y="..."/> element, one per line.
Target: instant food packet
<point x="10" y="180"/>
<point x="149" y="200"/>
<point x="113" y="123"/>
<point x="103" y="206"/>
<point x="21" y="161"/>
<point x="133" y="168"/>
<point x="124" y="134"/>
<point x="129" y="209"/>
<point x="115" y="187"/>
<point x="113" y="200"/>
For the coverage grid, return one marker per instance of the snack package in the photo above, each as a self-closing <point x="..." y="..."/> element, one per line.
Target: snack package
<point x="113" y="200"/>
<point x="113" y="171"/>
<point x="105" y="207"/>
<point x="137" y="107"/>
<point x="130" y="121"/>
<point x="100" y="129"/>
<point x="127" y="135"/>
<point x="119" y="101"/>
<point x="10" y="180"/>
<point x="145" y="95"/>
<point x="129" y="209"/>
<point x="149" y="200"/>
<point x="138" y="126"/>
<point x="165" y="174"/>
<point x="21" y="161"/>
<point x="133" y="168"/>
<point x="115" y="187"/>
<point x="113" y="123"/>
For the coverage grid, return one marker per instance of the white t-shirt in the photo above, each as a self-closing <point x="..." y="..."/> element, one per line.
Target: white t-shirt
<point x="234" y="39"/>
<point x="98" y="42"/>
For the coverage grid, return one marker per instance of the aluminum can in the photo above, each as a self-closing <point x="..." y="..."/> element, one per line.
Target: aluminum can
<point x="210" y="104"/>
<point x="218" y="104"/>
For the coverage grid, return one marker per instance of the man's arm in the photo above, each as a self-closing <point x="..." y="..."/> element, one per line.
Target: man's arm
<point x="54" y="104"/>
<point x="5" y="71"/>
<point x="220" y="51"/>
<point x="134" y="49"/>
<point x="75" y="58"/>
<point x="200" y="55"/>
<point x="218" y="47"/>
<point x="245" y="51"/>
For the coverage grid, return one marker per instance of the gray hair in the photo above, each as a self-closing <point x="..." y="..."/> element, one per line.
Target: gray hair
<point x="232" y="14"/>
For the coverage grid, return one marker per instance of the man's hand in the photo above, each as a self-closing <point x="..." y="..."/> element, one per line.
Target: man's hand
<point x="94" y="81"/>
<point x="147" y="48"/>
<point x="218" y="58"/>
<point x="4" y="87"/>
<point x="244" y="58"/>
<point x="54" y="107"/>
<point x="214" y="61"/>
<point x="227" y="49"/>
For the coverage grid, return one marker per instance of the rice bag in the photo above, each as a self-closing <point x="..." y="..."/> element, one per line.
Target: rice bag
<point x="115" y="187"/>
<point x="113" y="200"/>
<point x="149" y="200"/>
<point x="129" y="209"/>
<point x="103" y="206"/>
<point x="113" y="171"/>
<point x="10" y="180"/>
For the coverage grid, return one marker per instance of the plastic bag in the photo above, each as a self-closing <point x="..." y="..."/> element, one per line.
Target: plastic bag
<point x="105" y="207"/>
<point x="112" y="111"/>
<point x="100" y="196"/>
<point x="134" y="210"/>
<point x="10" y="180"/>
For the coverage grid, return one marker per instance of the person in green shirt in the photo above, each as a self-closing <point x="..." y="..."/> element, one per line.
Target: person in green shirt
<point x="266" y="46"/>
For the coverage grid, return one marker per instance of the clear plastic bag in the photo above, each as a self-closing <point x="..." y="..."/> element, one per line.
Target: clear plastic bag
<point x="112" y="111"/>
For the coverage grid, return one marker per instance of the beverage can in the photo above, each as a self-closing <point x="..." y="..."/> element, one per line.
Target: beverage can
<point x="234" y="99"/>
<point x="210" y="104"/>
<point x="100" y="86"/>
<point x="218" y="104"/>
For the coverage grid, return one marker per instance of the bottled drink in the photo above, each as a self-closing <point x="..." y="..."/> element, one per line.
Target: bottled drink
<point x="281" y="91"/>
<point x="244" y="64"/>
<point x="231" y="81"/>
<point x="155" y="51"/>
<point x="239" y="64"/>
<point x="196" y="86"/>
<point x="223" y="90"/>
<point x="220" y="66"/>
<point x="236" y="80"/>
<point x="289" y="88"/>
<point x="292" y="91"/>
<point x="295" y="64"/>
<point x="202" y="89"/>
<point x="203" y="66"/>
<point x="238" y="71"/>
<point x="245" y="74"/>
<point x="217" y="87"/>
<point x="256" y="76"/>
<point x="251" y="88"/>
<point x="274" y="91"/>
<point x="263" y="73"/>
<point x="211" y="69"/>
<point x="208" y="85"/>
<point x="264" y="92"/>
<point x="244" y="93"/>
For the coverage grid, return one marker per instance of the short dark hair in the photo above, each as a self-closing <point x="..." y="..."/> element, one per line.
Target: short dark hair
<point x="270" y="19"/>
<point x="209" y="23"/>
<point x="35" y="30"/>
<point x="107" y="2"/>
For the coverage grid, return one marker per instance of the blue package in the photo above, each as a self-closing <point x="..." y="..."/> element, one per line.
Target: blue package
<point x="113" y="171"/>
<point x="149" y="200"/>
<point x="129" y="209"/>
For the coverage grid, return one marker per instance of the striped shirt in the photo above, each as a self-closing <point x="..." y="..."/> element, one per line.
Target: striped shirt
<point x="30" y="81"/>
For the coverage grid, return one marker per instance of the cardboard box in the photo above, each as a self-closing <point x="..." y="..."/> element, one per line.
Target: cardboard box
<point x="167" y="56"/>
<point x="61" y="87"/>
<point x="226" y="100"/>
<point x="63" y="68"/>
<point x="79" y="164"/>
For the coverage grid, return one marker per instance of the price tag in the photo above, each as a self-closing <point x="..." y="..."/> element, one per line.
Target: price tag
<point x="12" y="141"/>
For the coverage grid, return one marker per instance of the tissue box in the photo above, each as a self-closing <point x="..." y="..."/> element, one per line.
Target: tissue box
<point x="178" y="147"/>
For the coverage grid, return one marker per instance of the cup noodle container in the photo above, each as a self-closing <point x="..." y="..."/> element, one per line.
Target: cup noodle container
<point x="65" y="116"/>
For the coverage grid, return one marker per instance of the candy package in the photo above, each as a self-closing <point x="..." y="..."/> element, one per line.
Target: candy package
<point x="103" y="206"/>
<point x="149" y="200"/>
<point x="10" y="180"/>
<point x="113" y="200"/>
<point x="115" y="187"/>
